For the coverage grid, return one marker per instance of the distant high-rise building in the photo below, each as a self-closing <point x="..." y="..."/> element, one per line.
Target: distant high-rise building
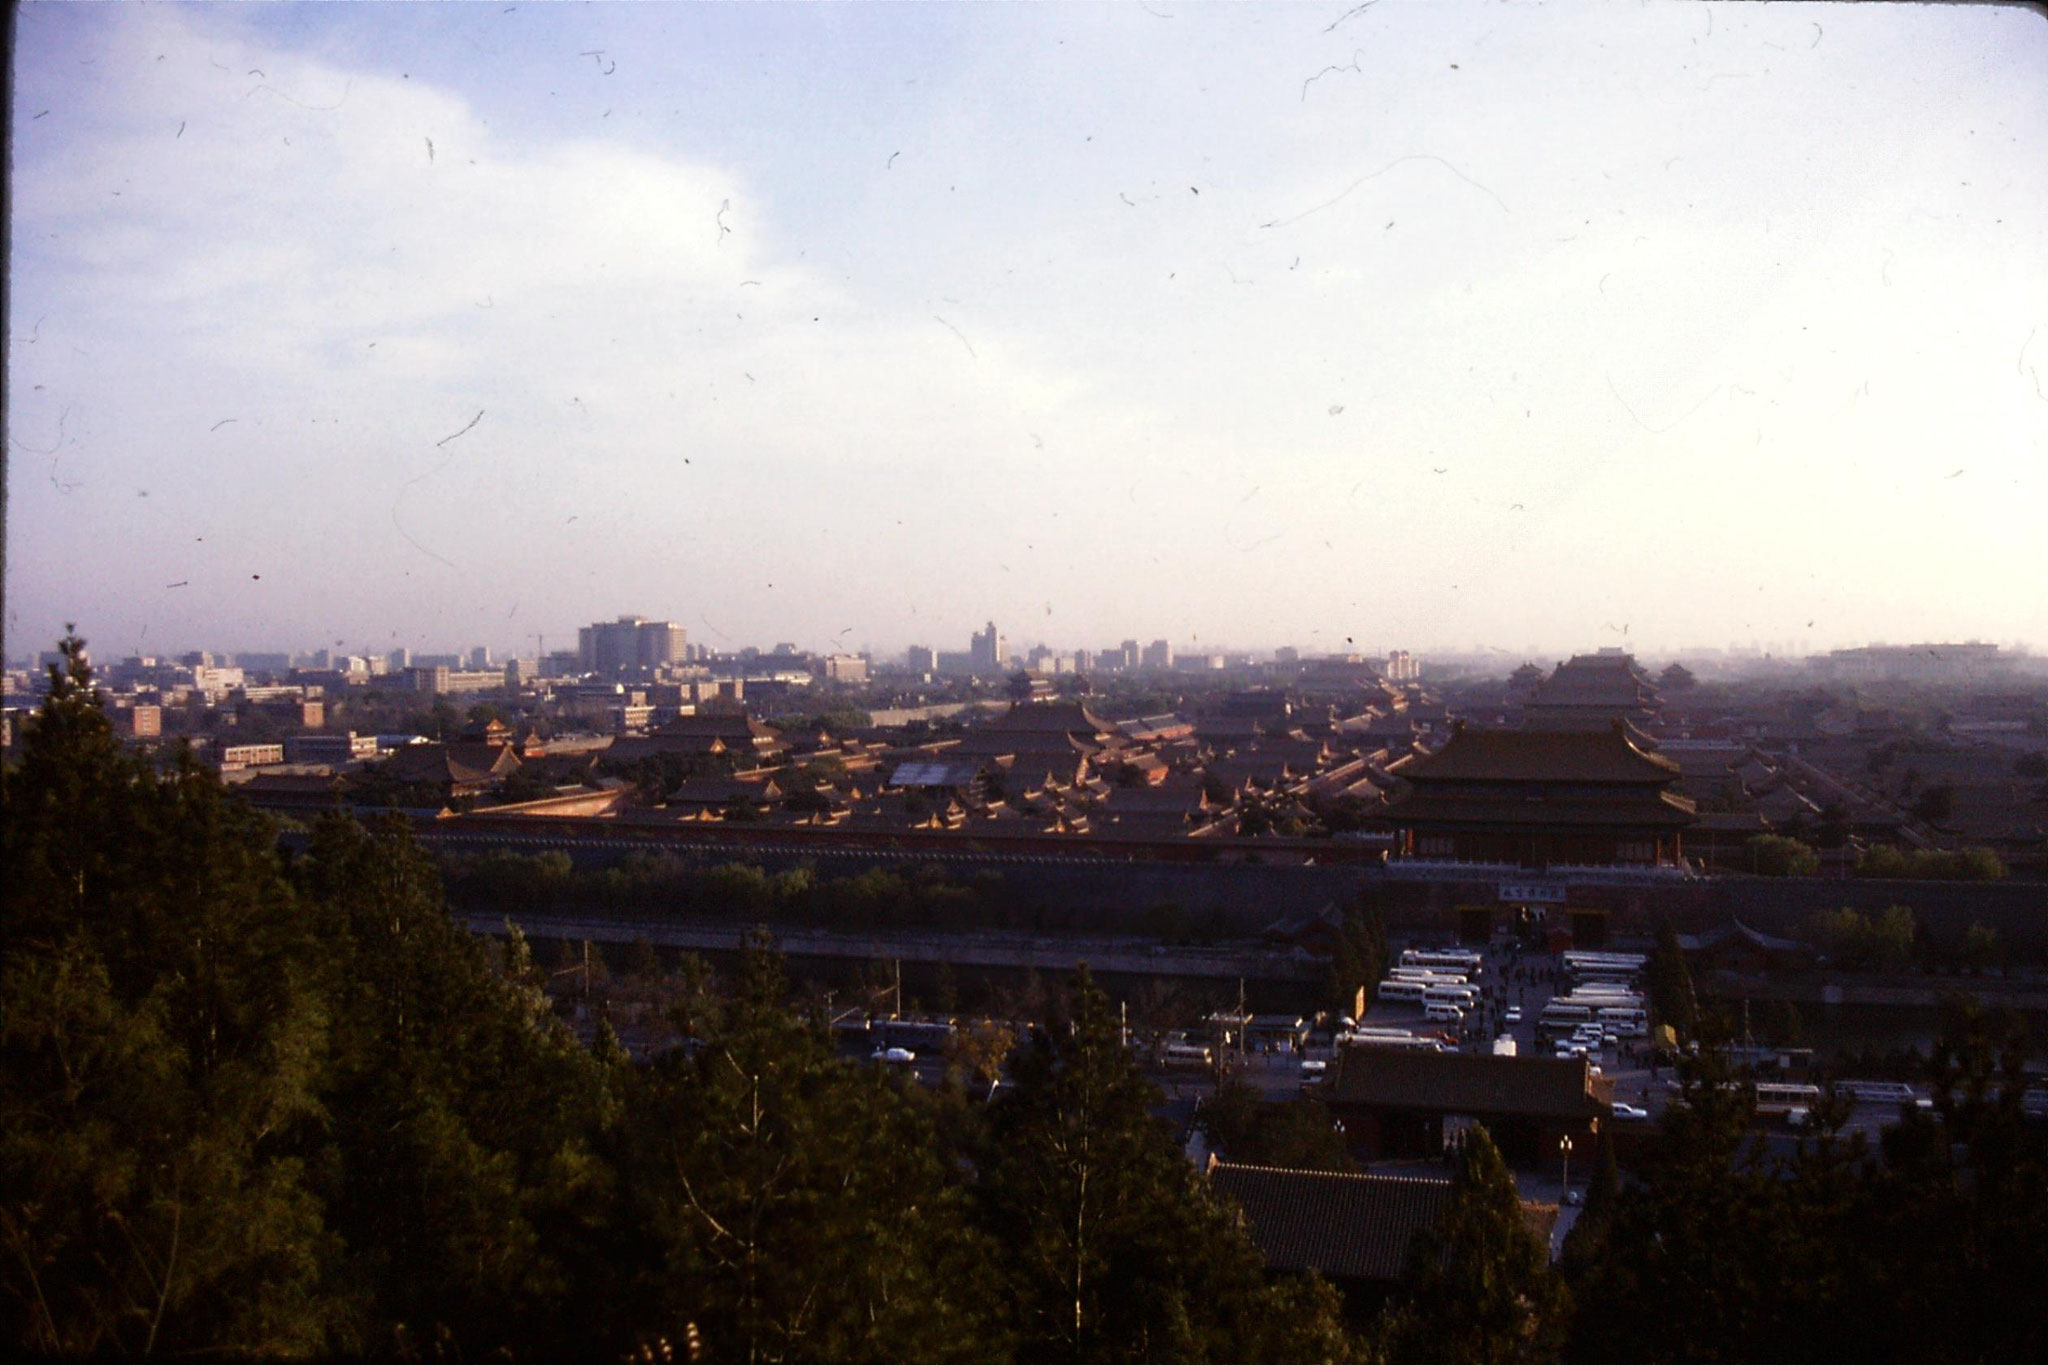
<point x="1158" y="654"/>
<point x="987" y="649"/>
<point x="846" y="668"/>
<point x="400" y="659"/>
<point x="1402" y="667"/>
<point x="920" y="659"/>
<point x="1130" y="654"/>
<point x="630" y="644"/>
<point x="480" y="656"/>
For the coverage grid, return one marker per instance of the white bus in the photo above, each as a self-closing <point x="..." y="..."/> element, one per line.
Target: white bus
<point x="1560" y="1018"/>
<point x="1605" y="962"/>
<point x="1602" y="1002"/>
<point x="1444" y="1012"/>
<point x="1625" y="1023"/>
<point x="1464" y="997"/>
<point x="1431" y="975"/>
<point x="1410" y="991"/>
<point x="1387" y="1038"/>
<point x="1877" y="1092"/>
<point x="1772" y="1098"/>
<point x="1188" y="1055"/>
<point x="1455" y="958"/>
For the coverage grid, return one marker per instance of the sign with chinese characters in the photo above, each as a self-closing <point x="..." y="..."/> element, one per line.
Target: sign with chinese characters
<point x="1532" y="893"/>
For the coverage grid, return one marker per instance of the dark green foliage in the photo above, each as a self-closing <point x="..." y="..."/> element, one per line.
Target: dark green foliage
<point x="1300" y="1134"/>
<point x="1774" y="855"/>
<point x="1931" y="864"/>
<point x="160" y="1047"/>
<point x="797" y="1208"/>
<point x="1588" y="1237"/>
<point x="461" y="1167"/>
<point x="1357" y="958"/>
<point x="1114" y="1249"/>
<point x="1865" y="940"/>
<point x="1670" y="984"/>
<point x="1717" y="1251"/>
<point x="1478" y="1287"/>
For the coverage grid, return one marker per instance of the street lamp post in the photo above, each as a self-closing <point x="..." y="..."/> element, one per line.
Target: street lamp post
<point x="1564" y="1147"/>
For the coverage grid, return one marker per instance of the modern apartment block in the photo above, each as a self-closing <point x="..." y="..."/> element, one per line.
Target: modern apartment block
<point x="631" y="644"/>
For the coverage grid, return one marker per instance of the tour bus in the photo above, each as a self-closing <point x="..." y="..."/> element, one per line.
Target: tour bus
<point x="1601" y="1002"/>
<point x="1444" y="1011"/>
<point x="1775" y="1098"/>
<point x="1457" y="959"/>
<point x="1188" y="1055"/>
<point x="1877" y="1092"/>
<point x="1563" y="1018"/>
<point x="1464" y="997"/>
<point x="1625" y="963"/>
<point x="1435" y="976"/>
<point x="1600" y="999"/>
<point x="1398" y="1039"/>
<point x="1626" y="1023"/>
<point x="1402" y="990"/>
<point x="1620" y="981"/>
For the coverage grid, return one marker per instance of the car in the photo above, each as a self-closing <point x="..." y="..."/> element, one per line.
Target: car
<point x="1514" y="1014"/>
<point x="1630" y="1112"/>
<point x="1609" y="1040"/>
<point x="1573" y="1198"/>
<point x="896" y="1056"/>
<point x="1312" y="1067"/>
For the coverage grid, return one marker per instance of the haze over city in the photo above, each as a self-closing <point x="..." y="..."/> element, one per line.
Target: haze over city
<point x="1438" y="326"/>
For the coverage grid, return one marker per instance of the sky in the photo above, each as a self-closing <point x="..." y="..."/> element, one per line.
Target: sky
<point x="1522" y="327"/>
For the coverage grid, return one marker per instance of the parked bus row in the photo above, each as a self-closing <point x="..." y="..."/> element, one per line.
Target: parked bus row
<point x="1568" y="1016"/>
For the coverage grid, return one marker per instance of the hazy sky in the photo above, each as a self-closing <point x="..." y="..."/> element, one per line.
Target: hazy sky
<point x="1427" y="325"/>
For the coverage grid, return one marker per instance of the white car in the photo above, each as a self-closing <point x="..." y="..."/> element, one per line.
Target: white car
<point x="897" y="1056"/>
<point x="1630" y="1111"/>
<point x="1514" y="1014"/>
<point x="1312" y="1067"/>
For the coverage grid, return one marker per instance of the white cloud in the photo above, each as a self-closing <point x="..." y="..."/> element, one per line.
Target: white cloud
<point x="1036" y="349"/>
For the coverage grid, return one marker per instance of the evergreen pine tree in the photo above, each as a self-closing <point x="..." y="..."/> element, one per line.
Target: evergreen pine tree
<point x="796" y="1208"/>
<point x="161" y="1044"/>
<point x="1114" y="1249"/>
<point x="1478" y="1288"/>
<point x="1672" y="1000"/>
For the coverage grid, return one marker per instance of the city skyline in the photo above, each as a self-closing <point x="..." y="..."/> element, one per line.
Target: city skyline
<point x="434" y="326"/>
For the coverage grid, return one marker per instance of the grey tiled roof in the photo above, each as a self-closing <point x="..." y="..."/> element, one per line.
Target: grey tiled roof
<point x="1344" y="1226"/>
